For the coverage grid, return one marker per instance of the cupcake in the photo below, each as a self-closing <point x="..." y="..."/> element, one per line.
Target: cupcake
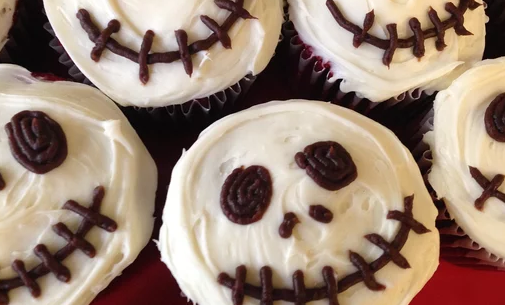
<point x="467" y="144"/>
<point x="362" y="54"/>
<point x="185" y="57"/>
<point x="327" y="207"/>
<point x="77" y="190"/>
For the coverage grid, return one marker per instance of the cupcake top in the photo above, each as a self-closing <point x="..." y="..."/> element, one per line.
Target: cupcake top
<point x="7" y="12"/>
<point x="158" y="53"/>
<point x="311" y="207"/>
<point x="384" y="48"/>
<point x="468" y="144"/>
<point x="77" y="190"/>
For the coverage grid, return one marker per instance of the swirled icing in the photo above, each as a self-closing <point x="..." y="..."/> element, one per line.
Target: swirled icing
<point x="198" y="242"/>
<point x="362" y="69"/>
<point x="253" y="45"/>
<point x="103" y="149"/>
<point x="460" y="140"/>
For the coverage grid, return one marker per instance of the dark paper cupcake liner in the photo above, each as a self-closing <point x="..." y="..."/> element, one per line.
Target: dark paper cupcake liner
<point x="17" y="32"/>
<point x="27" y="45"/>
<point x="456" y="247"/>
<point x="311" y="78"/>
<point x="197" y="113"/>
<point x="495" y="37"/>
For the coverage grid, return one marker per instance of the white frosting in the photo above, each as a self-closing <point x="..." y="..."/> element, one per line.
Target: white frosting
<point x="460" y="140"/>
<point x="253" y="45"/>
<point x="103" y="149"/>
<point x="7" y="11"/>
<point x="198" y="242"/>
<point x="362" y="69"/>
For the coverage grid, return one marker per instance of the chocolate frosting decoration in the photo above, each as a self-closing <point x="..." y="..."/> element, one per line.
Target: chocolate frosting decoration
<point x="287" y="226"/>
<point x="367" y="25"/>
<point x="53" y="263"/>
<point x="60" y="272"/>
<point x="146" y="46"/>
<point x="266" y="286"/>
<point x="419" y="48"/>
<point x="494" y="118"/>
<point x="246" y="194"/>
<point x="416" y="41"/>
<point x="320" y="213"/>
<point x="299" y="288"/>
<point x="103" y="40"/>
<point x="182" y="41"/>
<point x="113" y="27"/>
<point x="396" y="257"/>
<point x="328" y="164"/>
<point x="37" y="142"/>
<point x="331" y="285"/>
<point x="393" y="44"/>
<point x="238" y="289"/>
<point x="365" y="273"/>
<point x="34" y="288"/>
<point x="490" y="187"/>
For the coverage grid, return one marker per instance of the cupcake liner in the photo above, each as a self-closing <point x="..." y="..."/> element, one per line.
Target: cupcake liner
<point x="311" y="78"/>
<point x="27" y="45"/>
<point x="495" y="28"/>
<point x="456" y="247"/>
<point x="197" y="113"/>
<point x="17" y="30"/>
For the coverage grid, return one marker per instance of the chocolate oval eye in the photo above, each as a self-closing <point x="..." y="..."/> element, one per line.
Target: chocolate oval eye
<point x="328" y="164"/>
<point x="246" y="194"/>
<point x="494" y="118"/>
<point x="37" y="142"/>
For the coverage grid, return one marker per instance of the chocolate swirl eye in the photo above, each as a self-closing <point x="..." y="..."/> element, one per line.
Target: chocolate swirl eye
<point x="328" y="164"/>
<point x="37" y="142"/>
<point x="495" y="118"/>
<point x="246" y="194"/>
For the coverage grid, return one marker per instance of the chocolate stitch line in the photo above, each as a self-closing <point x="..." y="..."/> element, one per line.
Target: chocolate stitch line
<point x="416" y="41"/>
<point x="489" y="188"/>
<point x="408" y="223"/>
<point x="54" y="264"/>
<point x="103" y="39"/>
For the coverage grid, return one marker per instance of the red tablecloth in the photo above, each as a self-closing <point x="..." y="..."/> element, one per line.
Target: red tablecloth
<point x="149" y="282"/>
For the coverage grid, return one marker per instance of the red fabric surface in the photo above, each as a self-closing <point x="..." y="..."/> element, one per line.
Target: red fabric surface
<point x="148" y="281"/>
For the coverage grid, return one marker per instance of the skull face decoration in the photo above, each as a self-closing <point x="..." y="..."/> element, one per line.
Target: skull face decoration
<point x="467" y="146"/>
<point x="166" y="52"/>
<point x="298" y="202"/>
<point x="384" y="48"/>
<point x="77" y="191"/>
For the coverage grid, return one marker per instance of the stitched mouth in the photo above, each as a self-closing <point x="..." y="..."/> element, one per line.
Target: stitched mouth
<point x="53" y="263"/>
<point x="300" y="294"/>
<point x="490" y="188"/>
<point x="104" y="41"/>
<point x="417" y="41"/>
